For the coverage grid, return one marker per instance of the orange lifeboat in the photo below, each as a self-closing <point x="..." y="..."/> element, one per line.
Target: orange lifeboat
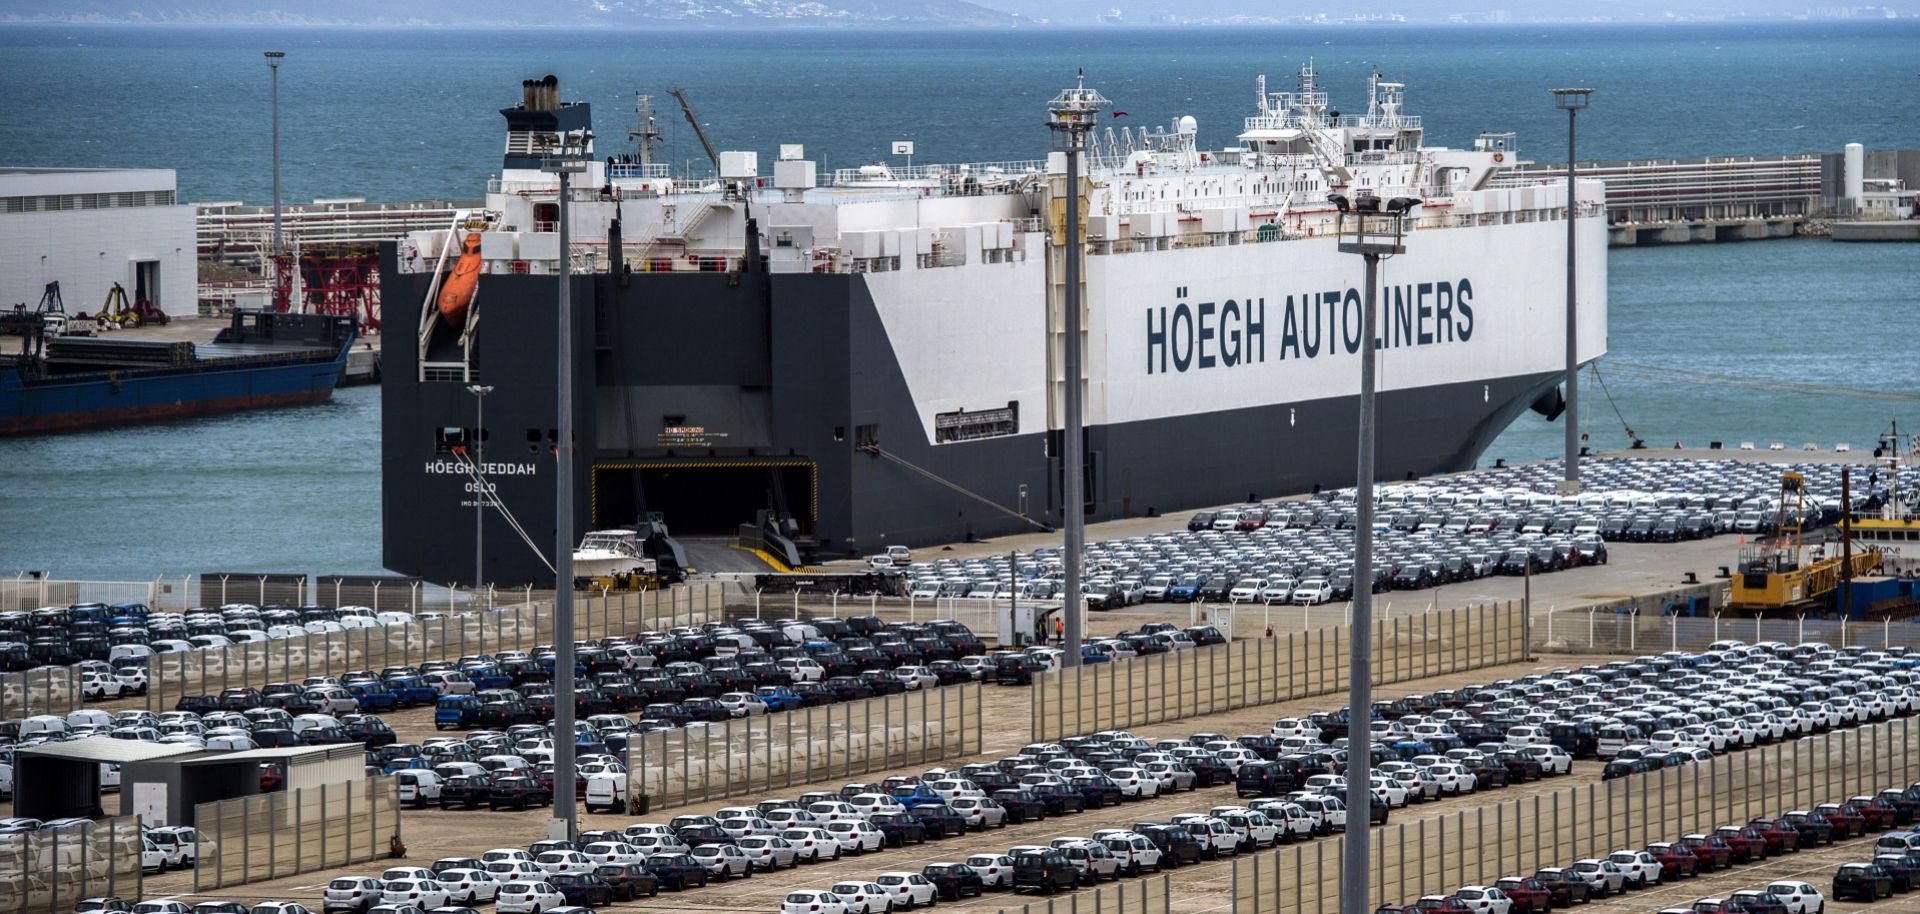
<point x="457" y="292"/>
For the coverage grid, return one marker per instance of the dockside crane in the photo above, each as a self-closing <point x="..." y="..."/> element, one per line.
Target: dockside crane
<point x="1773" y="575"/>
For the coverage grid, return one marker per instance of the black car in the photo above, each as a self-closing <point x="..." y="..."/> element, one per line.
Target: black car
<point x="467" y="790"/>
<point x="848" y="688"/>
<point x="1022" y="805"/>
<point x="1563" y="888"/>
<point x="1178" y="847"/>
<point x="1016" y="669"/>
<point x="953" y="881"/>
<point x="1098" y="790"/>
<point x="1060" y="799"/>
<point x="1263" y="779"/>
<point x="696" y="835"/>
<point x="1899" y="869"/>
<point x="940" y="820"/>
<point x="519" y="793"/>
<point x="677" y="871"/>
<point x="1863" y="881"/>
<point x="899" y="829"/>
<point x="586" y="889"/>
<point x="1046" y="871"/>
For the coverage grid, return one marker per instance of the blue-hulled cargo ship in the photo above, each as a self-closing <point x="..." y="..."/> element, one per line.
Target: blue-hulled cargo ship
<point x="261" y="359"/>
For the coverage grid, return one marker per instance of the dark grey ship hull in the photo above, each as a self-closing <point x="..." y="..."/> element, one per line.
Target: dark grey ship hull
<point x="708" y="396"/>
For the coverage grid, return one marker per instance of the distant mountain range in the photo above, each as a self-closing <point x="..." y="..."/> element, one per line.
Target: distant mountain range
<point x="617" y="13"/>
<point x="818" y="13"/>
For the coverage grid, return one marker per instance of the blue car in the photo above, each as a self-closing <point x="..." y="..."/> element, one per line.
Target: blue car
<point x="1185" y="589"/>
<point x="1090" y="653"/>
<point x="487" y="676"/>
<point x="374" y="696"/>
<point x="461" y="712"/>
<point x="779" y="698"/>
<point x="916" y="795"/>
<point x="413" y="690"/>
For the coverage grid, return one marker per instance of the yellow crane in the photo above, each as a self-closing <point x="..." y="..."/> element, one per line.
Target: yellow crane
<point x="1773" y="575"/>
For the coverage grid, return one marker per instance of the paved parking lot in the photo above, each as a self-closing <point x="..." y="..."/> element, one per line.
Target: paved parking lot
<point x="432" y="834"/>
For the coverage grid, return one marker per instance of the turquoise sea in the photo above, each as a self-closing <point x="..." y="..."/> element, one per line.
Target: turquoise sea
<point x="1789" y="341"/>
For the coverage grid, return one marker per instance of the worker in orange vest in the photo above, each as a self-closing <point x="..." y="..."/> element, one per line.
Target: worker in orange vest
<point x="1060" y="630"/>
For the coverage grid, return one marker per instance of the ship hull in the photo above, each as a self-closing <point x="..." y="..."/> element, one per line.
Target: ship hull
<point x="68" y="403"/>
<point x="707" y="397"/>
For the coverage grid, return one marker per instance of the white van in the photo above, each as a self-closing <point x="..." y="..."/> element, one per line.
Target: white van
<point x="42" y="725"/>
<point x="607" y="792"/>
<point x="1614" y="739"/>
<point x="418" y="786"/>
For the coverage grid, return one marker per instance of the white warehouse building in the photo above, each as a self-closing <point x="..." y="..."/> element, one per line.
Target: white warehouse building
<point x="88" y="228"/>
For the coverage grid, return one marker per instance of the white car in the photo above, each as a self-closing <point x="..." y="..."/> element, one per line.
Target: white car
<point x="1392" y="792"/>
<point x="1295" y="726"/>
<point x="812" y="845"/>
<point x="1800" y="897"/>
<point x="980" y="812"/>
<point x="1522" y="737"/>
<point x="996" y="870"/>
<point x="723" y="861"/>
<point x="1135" y="783"/>
<point x="813" y="903"/>
<point x="857" y="837"/>
<point x="1553" y="759"/>
<point x="527" y="898"/>
<point x="843" y="812"/>
<point x="426" y="893"/>
<point x="1484" y="898"/>
<point x="769" y="852"/>
<point x="743" y="704"/>
<point x="603" y="853"/>
<point x="152" y="858"/>
<point x="1642" y="869"/>
<point x="1312" y="592"/>
<point x="469" y="887"/>
<point x="909" y="890"/>
<point x="864" y="897"/>
<point x="351" y="893"/>
<point x="1604" y="876"/>
<point x="564" y="862"/>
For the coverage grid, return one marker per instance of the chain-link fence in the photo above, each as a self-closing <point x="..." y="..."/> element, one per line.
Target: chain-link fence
<point x="47" y="690"/>
<point x="249" y="839"/>
<point x="1153" y="895"/>
<point x="1517" y="837"/>
<point x="437" y="636"/>
<point x="1632" y="629"/>
<point x="24" y="592"/>
<point x="1109" y="696"/>
<point x="750" y="755"/>
<point x="51" y="871"/>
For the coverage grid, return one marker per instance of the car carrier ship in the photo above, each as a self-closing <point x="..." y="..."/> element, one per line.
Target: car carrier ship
<point x="872" y="357"/>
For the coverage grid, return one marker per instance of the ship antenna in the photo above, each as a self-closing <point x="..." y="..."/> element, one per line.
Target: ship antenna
<point x="646" y="131"/>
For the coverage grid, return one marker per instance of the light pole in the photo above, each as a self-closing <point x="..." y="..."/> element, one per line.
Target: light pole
<point x="479" y="392"/>
<point x="1071" y="116"/>
<point x="1364" y="227"/>
<point x="273" y="63"/>
<point x="1571" y="101"/>
<point x="564" y="815"/>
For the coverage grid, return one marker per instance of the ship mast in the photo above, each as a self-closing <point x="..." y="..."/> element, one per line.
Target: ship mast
<point x="646" y="131"/>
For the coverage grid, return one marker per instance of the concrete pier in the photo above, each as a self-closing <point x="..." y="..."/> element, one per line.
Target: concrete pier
<point x="1702" y="230"/>
<point x="1901" y="230"/>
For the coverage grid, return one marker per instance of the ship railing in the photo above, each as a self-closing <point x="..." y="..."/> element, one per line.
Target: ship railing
<point x="654" y="171"/>
<point x="882" y="174"/>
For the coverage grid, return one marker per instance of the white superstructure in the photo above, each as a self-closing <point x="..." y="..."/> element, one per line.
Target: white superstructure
<point x="1212" y="280"/>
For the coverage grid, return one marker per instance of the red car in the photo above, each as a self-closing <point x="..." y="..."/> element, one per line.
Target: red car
<point x="1528" y="895"/>
<point x="1880" y="812"/>
<point x="1440" y="904"/>
<point x="1746" y="841"/>
<point x="1781" y="837"/>
<point x="1846" y="818"/>
<point x="1712" y="850"/>
<point x="1675" y="861"/>
<point x="272" y="777"/>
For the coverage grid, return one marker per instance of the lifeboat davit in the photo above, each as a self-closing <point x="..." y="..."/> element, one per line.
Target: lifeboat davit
<point x="456" y="294"/>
